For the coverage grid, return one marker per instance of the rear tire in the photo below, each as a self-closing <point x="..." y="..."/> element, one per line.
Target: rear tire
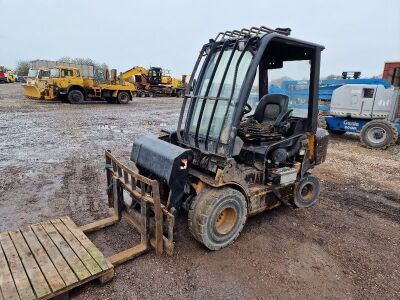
<point x="378" y="134"/>
<point x="306" y="192"/>
<point x="123" y="97"/>
<point x="217" y="216"/>
<point x="75" y="97"/>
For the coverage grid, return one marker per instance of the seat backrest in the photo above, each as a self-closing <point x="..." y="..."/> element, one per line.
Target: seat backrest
<point x="270" y="107"/>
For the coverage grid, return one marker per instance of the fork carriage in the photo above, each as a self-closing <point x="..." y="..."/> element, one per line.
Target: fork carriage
<point x="145" y="212"/>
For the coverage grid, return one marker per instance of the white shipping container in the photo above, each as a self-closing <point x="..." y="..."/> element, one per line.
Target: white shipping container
<point x="86" y="70"/>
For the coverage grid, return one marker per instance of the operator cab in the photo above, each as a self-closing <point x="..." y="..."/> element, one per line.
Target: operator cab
<point x="155" y="75"/>
<point x="234" y="112"/>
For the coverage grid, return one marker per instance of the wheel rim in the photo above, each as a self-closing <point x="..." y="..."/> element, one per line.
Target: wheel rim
<point x="307" y="192"/>
<point x="376" y="135"/>
<point x="226" y="220"/>
<point x="124" y="97"/>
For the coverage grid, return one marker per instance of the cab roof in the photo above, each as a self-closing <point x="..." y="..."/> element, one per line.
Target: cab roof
<point x="262" y="32"/>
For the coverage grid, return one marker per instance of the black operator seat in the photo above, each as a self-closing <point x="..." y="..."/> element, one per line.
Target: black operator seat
<point x="272" y="107"/>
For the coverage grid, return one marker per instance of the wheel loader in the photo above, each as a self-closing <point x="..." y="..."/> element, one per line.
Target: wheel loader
<point x="226" y="160"/>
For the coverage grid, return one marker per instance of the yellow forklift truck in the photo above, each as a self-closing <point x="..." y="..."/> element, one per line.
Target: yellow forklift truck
<point x="226" y="160"/>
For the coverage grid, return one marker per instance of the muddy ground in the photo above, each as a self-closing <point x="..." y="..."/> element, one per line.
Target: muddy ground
<point x="346" y="246"/>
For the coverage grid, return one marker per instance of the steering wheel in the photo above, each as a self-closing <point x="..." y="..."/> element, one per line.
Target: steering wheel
<point x="247" y="108"/>
<point x="283" y="118"/>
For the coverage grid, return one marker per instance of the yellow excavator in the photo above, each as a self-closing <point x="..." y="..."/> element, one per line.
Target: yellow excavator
<point x="154" y="81"/>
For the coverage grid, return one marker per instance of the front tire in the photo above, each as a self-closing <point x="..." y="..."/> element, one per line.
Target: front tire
<point x="217" y="216"/>
<point x="75" y="97"/>
<point x="378" y="134"/>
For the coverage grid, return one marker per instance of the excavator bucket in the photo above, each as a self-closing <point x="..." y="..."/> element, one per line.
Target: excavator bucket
<point x="32" y="91"/>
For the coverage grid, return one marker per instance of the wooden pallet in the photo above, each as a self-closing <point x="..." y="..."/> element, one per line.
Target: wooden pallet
<point x="48" y="259"/>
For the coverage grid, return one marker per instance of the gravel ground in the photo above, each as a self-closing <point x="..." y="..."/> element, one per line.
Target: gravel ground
<point x="346" y="246"/>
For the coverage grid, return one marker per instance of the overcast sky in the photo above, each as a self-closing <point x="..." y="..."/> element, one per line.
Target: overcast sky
<point x="358" y="35"/>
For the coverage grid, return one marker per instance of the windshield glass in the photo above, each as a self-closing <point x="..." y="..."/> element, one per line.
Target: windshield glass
<point x="54" y="73"/>
<point x="32" y="73"/>
<point x="225" y="87"/>
<point x="44" y="73"/>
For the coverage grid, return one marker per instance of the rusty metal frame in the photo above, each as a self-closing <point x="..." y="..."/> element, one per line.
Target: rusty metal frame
<point x="150" y="217"/>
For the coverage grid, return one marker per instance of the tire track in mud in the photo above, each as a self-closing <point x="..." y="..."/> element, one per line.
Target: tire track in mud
<point x="386" y="204"/>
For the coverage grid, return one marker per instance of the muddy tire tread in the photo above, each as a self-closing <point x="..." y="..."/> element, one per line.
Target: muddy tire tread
<point x="203" y="203"/>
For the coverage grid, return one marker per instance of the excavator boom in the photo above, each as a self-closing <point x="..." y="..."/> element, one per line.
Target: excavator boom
<point x="134" y="71"/>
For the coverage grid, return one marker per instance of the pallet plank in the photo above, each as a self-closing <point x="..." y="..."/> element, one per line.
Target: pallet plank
<point x="47" y="260"/>
<point x="32" y="269"/>
<point x="17" y="269"/>
<point x="89" y="246"/>
<point x="72" y="259"/>
<point x="128" y="254"/>
<point x="99" y="224"/>
<point x="7" y="285"/>
<point x="56" y="257"/>
<point x="79" y="250"/>
<point x="46" y="265"/>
